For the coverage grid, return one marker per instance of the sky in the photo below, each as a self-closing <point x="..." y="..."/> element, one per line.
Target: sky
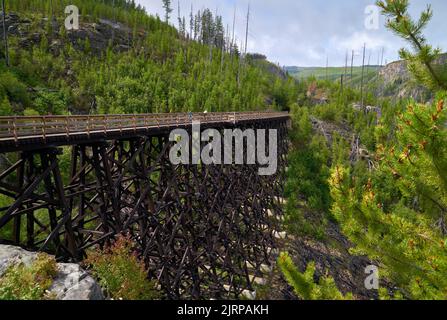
<point x="309" y="33"/>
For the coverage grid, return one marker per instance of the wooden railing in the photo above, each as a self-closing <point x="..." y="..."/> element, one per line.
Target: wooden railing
<point x="14" y="128"/>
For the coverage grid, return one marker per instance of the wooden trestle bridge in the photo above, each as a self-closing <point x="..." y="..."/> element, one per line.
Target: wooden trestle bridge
<point x="70" y="183"/>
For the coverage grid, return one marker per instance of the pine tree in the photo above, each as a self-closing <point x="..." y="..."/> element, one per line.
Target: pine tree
<point x="191" y="24"/>
<point x="5" y="107"/>
<point x="179" y="19"/>
<point x="219" y="33"/>
<point x="422" y="63"/>
<point x="398" y="217"/>
<point x="197" y="26"/>
<point x="304" y="285"/>
<point x="168" y="9"/>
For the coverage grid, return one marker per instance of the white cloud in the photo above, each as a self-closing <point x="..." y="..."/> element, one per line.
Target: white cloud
<point x="357" y="40"/>
<point x="305" y="32"/>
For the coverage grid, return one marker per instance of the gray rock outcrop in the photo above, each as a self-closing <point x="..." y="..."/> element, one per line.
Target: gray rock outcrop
<point x="99" y="34"/>
<point x="71" y="282"/>
<point x="397" y="81"/>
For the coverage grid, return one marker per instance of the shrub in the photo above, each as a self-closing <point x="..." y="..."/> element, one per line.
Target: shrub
<point x="50" y="103"/>
<point x="22" y="282"/>
<point x="30" y="112"/>
<point x="121" y="273"/>
<point x="15" y="89"/>
<point x="5" y="107"/>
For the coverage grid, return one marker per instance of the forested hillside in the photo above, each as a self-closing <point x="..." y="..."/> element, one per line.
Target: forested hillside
<point x="124" y="60"/>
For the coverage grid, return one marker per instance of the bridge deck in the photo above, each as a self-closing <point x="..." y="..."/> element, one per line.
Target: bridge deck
<point x="23" y="133"/>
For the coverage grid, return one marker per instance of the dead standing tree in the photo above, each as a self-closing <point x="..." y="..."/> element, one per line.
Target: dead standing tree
<point x="5" y="33"/>
<point x="363" y="74"/>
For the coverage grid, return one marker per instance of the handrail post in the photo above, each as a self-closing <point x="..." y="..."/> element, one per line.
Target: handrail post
<point x="88" y="126"/>
<point x="44" y="124"/>
<point x="14" y="125"/>
<point x="67" y="130"/>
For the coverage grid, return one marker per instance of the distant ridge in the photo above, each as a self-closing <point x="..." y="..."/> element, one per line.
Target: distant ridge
<point x="333" y="73"/>
<point x="392" y="80"/>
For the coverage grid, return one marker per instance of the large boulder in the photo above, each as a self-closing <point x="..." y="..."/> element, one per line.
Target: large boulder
<point x="71" y="282"/>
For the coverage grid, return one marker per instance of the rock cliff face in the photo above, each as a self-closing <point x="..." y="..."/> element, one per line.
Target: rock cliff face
<point x="396" y="81"/>
<point x="395" y="71"/>
<point x="71" y="282"/>
<point x="98" y="34"/>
